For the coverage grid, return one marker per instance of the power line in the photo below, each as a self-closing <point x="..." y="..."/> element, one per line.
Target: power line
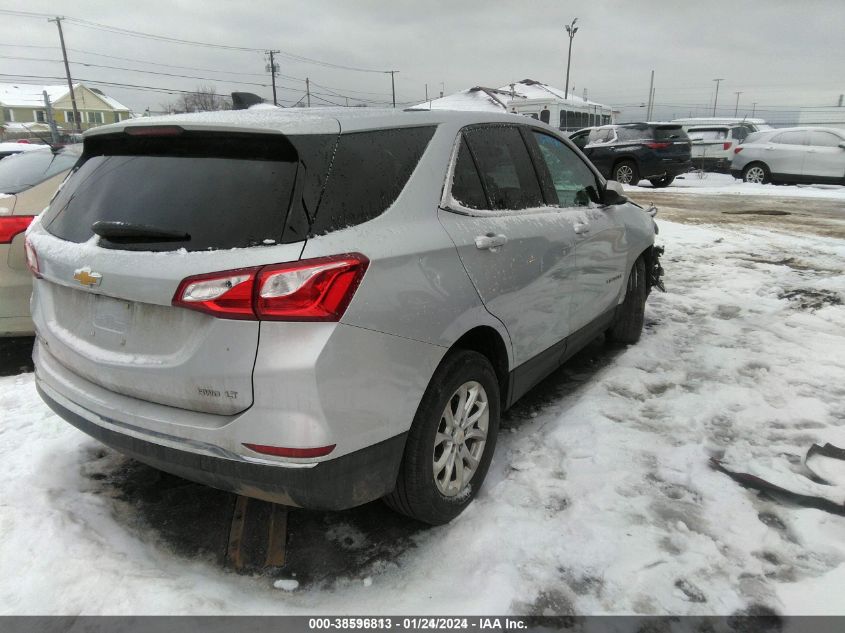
<point x="136" y="70"/>
<point x="175" y="40"/>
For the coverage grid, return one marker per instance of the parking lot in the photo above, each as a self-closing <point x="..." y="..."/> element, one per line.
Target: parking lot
<point x="600" y="497"/>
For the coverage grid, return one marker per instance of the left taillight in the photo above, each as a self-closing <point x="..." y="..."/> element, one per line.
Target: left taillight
<point x="13" y="225"/>
<point x="726" y="145"/>
<point x="31" y="258"/>
<point x="309" y="290"/>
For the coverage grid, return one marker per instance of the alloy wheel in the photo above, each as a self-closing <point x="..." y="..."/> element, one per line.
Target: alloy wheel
<point x="460" y="439"/>
<point x="624" y="174"/>
<point x="755" y="174"/>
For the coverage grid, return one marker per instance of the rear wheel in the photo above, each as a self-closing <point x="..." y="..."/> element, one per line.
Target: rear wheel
<point x="627" y="324"/>
<point x="662" y="182"/>
<point x="625" y="172"/>
<point x="756" y="173"/>
<point x="451" y="442"/>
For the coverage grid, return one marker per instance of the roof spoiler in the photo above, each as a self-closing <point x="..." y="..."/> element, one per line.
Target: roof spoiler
<point x="242" y="100"/>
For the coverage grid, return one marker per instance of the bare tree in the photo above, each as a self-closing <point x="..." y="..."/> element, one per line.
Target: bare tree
<point x="202" y="99"/>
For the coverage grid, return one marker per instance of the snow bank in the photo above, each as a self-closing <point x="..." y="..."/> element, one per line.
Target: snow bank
<point x="713" y="183"/>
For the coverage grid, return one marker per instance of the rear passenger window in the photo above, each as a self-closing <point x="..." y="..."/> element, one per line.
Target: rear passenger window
<point x="368" y="173"/>
<point x="824" y="139"/>
<point x="466" y="183"/>
<point x="791" y="138"/>
<point x="571" y="178"/>
<point x="505" y="167"/>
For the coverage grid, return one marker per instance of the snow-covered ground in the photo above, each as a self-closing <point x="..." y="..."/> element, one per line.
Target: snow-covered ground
<point x="713" y="183"/>
<point x="600" y="498"/>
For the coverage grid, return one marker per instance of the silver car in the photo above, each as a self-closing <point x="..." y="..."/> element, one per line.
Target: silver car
<point x="792" y="155"/>
<point x="324" y="309"/>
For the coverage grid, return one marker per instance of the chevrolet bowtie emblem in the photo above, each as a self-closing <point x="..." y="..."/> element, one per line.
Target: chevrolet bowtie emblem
<point x="87" y="278"/>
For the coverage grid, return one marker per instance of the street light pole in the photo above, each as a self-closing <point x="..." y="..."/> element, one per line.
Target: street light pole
<point x="571" y="30"/>
<point x="736" y="107"/>
<point x="717" y="95"/>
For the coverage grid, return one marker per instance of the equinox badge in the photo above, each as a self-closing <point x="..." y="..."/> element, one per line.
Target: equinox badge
<point x="87" y="278"/>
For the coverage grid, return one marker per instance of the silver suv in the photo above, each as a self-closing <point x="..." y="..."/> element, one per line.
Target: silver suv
<point x="327" y="308"/>
<point x="812" y="155"/>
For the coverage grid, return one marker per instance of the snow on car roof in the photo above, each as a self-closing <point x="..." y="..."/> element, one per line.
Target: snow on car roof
<point x="306" y="121"/>
<point x="21" y="147"/>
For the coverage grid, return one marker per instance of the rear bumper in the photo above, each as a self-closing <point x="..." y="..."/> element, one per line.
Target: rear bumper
<point x="336" y="484"/>
<point x="661" y="167"/>
<point x="675" y="168"/>
<point x="712" y="163"/>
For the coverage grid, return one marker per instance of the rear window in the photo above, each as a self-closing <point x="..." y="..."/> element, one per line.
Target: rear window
<point x="667" y="133"/>
<point x="22" y="171"/>
<point x="713" y="134"/>
<point x="223" y="191"/>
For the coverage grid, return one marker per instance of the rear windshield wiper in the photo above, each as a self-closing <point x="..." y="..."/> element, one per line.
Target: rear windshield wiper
<point x="130" y="232"/>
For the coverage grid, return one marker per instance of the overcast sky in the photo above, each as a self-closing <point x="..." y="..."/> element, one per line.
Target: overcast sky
<point x="778" y="53"/>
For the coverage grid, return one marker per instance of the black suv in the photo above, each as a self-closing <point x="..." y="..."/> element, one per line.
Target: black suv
<point x="630" y="152"/>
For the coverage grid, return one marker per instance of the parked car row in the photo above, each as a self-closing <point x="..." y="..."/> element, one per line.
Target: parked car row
<point x="750" y="150"/>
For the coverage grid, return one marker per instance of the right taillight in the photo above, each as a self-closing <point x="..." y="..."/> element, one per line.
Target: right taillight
<point x="737" y="150"/>
<point x="309" y="290"/>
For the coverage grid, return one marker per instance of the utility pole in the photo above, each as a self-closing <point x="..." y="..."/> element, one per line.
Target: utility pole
<point x="77" y="124"/>
<point x="393" y="85"/>
<point x="54" y="131"/>
<point x="273" y="68"/>
<point x="718" y="81"/>
<point x="426" y="92"/>
<point x="650" y="95"/>
<point x="736" y="107"/>
<point x="754" y="109"/>
<point x="651" y="111"/>
<point x="308" y="91"/>
<point x="571" y="30"/>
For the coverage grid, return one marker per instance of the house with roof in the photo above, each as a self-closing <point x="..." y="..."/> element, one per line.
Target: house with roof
<point x="22" y="107"/>
<point x="528" y="98"/>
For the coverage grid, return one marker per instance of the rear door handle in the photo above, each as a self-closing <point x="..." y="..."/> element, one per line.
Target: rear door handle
<point x="581" y="229"/>
<point x="490" y="241"/>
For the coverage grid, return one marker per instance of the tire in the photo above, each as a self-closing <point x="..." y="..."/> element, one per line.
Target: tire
<point x="756" y="173"/>
<point x="437" y="496"/>
<point x="628" y="321"/>
<point x="662" y="182"/>
<point x="625" y="172"/>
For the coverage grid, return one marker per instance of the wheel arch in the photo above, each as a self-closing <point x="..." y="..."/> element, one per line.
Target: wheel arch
<point x="649" y="255"/>
<point x="488" y="342"/>
<point x="760" y="163"/>
<point x="625" y="158"/>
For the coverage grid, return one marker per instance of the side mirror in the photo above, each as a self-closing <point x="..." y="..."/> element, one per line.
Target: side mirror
<point x="613" y="194"/>
<point x="842" y="145"/>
